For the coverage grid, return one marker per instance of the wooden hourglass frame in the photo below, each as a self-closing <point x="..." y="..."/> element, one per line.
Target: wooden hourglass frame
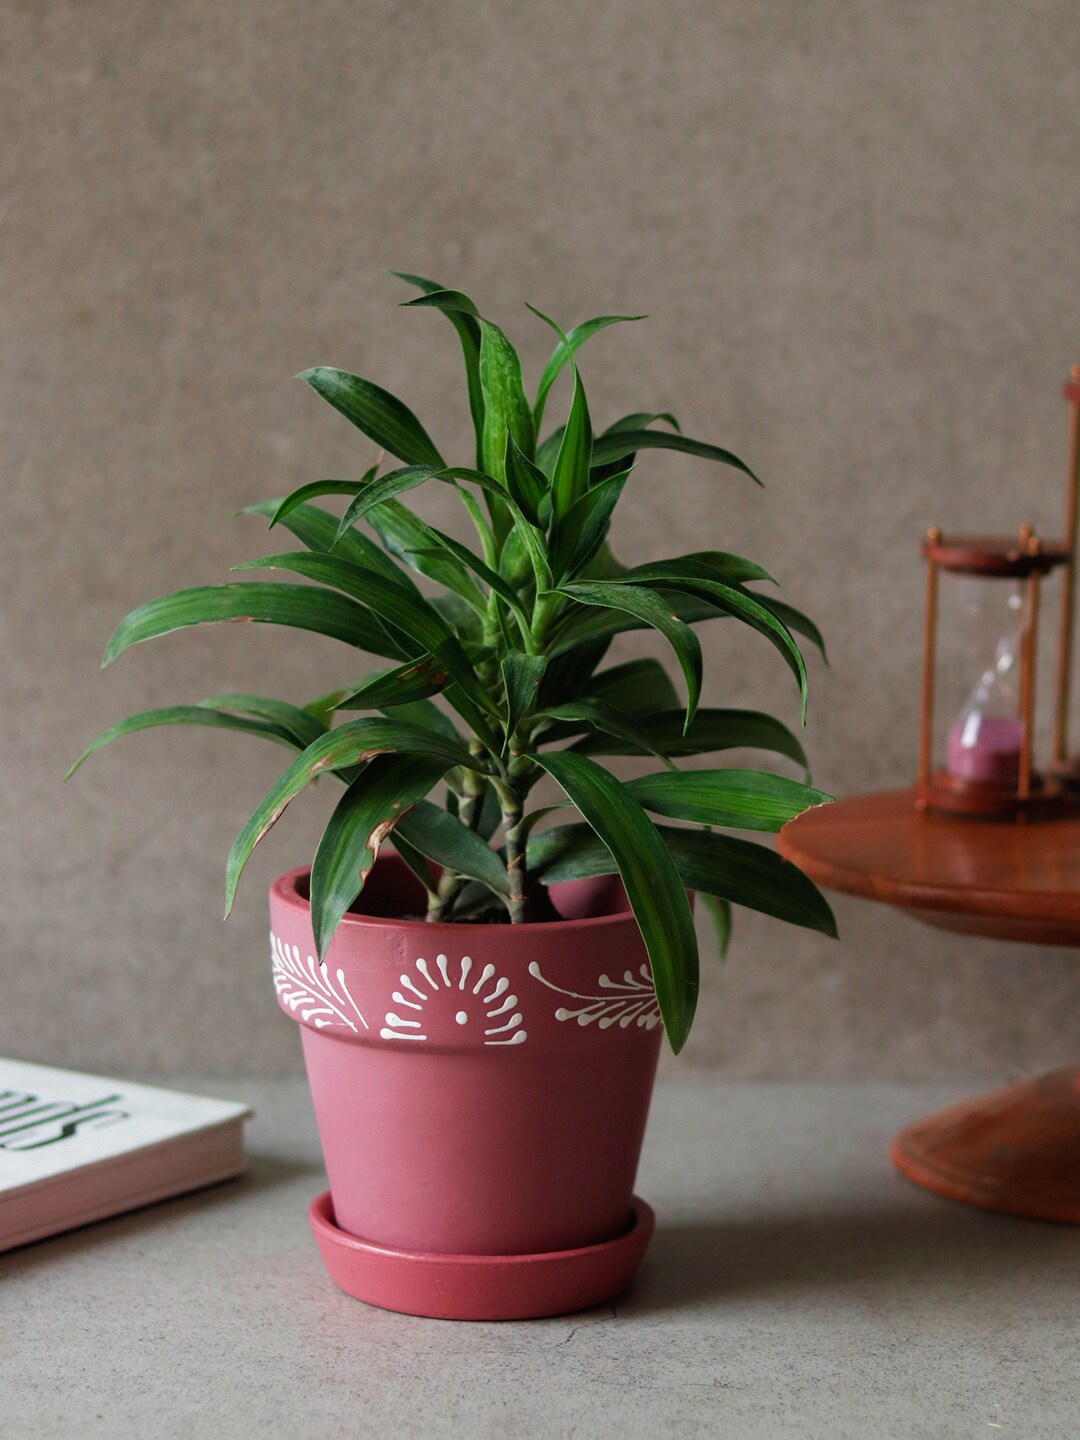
<point x="1064" y="767"/>
<point x="1017" y="790"/>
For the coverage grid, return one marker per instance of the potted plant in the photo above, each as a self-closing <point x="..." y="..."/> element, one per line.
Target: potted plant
<point x="481" y="1009"/>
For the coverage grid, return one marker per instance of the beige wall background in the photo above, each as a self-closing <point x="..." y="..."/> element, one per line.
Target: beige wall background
<point x="855" y="228"/>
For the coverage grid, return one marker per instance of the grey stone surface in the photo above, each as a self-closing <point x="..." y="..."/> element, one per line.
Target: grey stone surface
<point x="854" y="228"/>
<point x="796" y="1286"/>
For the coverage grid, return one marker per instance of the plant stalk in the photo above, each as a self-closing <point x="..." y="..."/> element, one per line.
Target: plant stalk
<point x="469" y="808"/>
<point x="519" y="903"/>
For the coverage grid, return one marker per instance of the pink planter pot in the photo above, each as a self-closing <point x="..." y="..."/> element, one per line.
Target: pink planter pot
<point x="481" y="1093"/>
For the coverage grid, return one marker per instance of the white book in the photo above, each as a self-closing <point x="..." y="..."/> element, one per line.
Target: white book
<point x="76" y="1148"/>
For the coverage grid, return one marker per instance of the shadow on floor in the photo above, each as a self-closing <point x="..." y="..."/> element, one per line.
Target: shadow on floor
<point x="770" y="1254"/>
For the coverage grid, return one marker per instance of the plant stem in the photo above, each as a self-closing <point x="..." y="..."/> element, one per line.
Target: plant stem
<point x="518" y="904"/>
<point x="544" y="609"/>
<point x="469" y="808"/>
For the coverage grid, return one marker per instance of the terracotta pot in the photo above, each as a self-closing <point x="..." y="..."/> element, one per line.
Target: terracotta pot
<point x="481" y="1093"/>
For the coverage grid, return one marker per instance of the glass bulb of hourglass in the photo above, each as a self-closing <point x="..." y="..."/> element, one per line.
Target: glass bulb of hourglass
<point x="985" y="740"/>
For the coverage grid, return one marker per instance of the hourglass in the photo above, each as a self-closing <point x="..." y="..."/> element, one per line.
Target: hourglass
<point x="1017" y="1149"/>
<point x="988" y="767"/>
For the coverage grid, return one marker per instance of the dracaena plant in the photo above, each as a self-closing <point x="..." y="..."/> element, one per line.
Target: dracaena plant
<point x="498" y="679"/>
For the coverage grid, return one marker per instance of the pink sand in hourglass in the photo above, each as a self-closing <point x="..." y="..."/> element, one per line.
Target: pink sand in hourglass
<point x="993" y="758"/>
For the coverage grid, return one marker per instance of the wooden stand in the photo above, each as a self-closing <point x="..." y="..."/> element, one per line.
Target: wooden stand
<point x="1015" y="1150"/>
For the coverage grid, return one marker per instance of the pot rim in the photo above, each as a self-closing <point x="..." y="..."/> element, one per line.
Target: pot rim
<point x="284" y="889"/>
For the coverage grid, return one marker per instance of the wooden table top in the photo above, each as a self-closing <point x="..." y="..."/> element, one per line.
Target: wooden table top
<point x="1007" y="881"/>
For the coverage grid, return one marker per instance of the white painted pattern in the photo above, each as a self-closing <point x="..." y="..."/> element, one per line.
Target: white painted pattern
<point x="629" y="1001"/>
<point x="437" y="987"/>
<point x="306" y="988"/>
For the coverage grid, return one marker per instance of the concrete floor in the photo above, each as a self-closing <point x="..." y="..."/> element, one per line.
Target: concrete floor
<point x="796" y="1286"/>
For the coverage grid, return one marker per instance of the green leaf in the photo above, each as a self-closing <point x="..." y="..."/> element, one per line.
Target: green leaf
<point x="427" y="716"/>
<point x="463" y="619"/>
<point x="398" y="605"/>
<point x="621" y="444"/>
<point x="443" y="838"/>
<point x="353" y="743"/>
<point x="304" y="607"/>
<point x="523" y="552"/>
<point x="475" y="903"/>
<point x="185" y="715"/>
<point x="374" y="802"/>
<point x="568" y="674"/>
<point x="739" y="871"/>
<point x="528" y="534"/>
<point x="315" y="489"/>
<point x="515" y="561"/>
<point x="547" y="452"/>
<point x="563" y="352"/>
<point x="597" y="624"/>
<point x="521" y="680"/>
<point x="414" y="543"/>
<point x="416" y="863"/>
<point x="640" y="687"/>
<point x="645" y="605"/>
<point x="641" y="420"/>
<point x="795" y="620"/>
<point x="380" y="415"/>
<point x="605" y="565"/>
<point x="719" y="912"/>
<point x="485" y="533"/>
<point x="385" y="488"/>
<point x="570" y="477"/>
<point x="463" y="587"/>
<point x="415" y="680"/>
<point x="446" y="544"/>
<point x="304" y="725"/>
<point x="322" y="708"/>
<point x="505" y="408"/>
<point x="711" y="565"/>
<point x="733" y="600"/>
<point x="749" y="874"/>
<point x="452" y="302"/>
<point x="584" y="529"/>
<point x="490" y="813"/>
<point x="468" y="333"/>
<point x="533" y="817"/>
<point x="534" y="545"/>
<point x="653" y="887"/>
<point x="710" y="730"/>
<point x="318" y="531"/>
<point x="526" y="482"/>
<point x="745" y="799"/>
<point x="598" y="715"/>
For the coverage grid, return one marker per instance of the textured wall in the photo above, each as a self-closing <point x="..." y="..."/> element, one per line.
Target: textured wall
<point x="855" y="228"/>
